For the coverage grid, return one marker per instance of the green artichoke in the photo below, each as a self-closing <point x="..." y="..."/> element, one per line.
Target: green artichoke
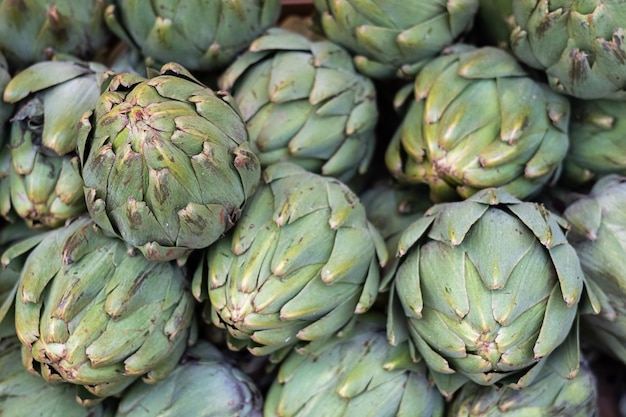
<point x="394" y="38"/>
<point x="579" y="44"/>
<point x="598" y="233"/>
<point x="494" y="21"/>
<point x="30" y="30"/>
<point x="597" y="141"/>
<point x="297" y="266"/>
<point x="166" y="163"/>
<point x="90" y="313"/>
<point x="25" y="395"/>
<point x="204" y="384"/>
<point x="6" y="109"/>
<point x="201" y="35"/>
<point x="304" y="102"/>
<point x="355" y="374"/>
<point x="552" y="393"/>
<point x="479" y="121"/>
<point x="488" y="287"/>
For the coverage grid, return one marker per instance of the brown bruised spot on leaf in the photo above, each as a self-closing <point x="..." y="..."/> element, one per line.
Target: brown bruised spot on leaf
<point x="245" y="159"/>
<point x="579" y="69"/>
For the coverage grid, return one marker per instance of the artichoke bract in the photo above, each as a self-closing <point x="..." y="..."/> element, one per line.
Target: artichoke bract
<point x="6" y="109"/>
<point x="203" y="35"/>
<point x="487" y="287"/>
<point x="91" y="313"/>
<point x="478" y="120"/>
<point x="579" y="44"/>
<point x="23" y="394"/>
<point x="297" y="266"/>
<point x="597" y="141"/>
<point x="394" y="38"/>
<point x="551" y="394"/>
<point x="30" y="30"/>
<point x="355" y="374"/>
<point x="304" y="102"/>
<point x="598" y="233"/>
<point x="204" y="384"/>
<point x="166" y="163"/>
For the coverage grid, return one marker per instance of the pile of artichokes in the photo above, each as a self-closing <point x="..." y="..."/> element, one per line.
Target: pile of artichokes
<point x="340" y="208"/>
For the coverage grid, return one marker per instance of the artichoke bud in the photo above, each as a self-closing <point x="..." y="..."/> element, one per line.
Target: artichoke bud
<point x="204" y="383"/>
<point x="356" y="373"/>
<point x="284" y="276"/>
<point x="596" y="231"/>
<point x="91" y="314"/>
<point x="396" y="38"/>
<point x="478" y="120"/>
<point x="303" y="102"/>
<point x="203" y="38"/>
<point x="478" y="317"/>
<point x="166" y="163"/>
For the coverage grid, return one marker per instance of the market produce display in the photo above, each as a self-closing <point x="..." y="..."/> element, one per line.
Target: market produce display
<point x="313" y="208"/>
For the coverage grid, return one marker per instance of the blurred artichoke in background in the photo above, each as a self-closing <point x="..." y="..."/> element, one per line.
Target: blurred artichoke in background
<point x="354" y="374"/>
<point x="598" y="233"/>
<point x="204" y="384"/>
<point x="6" y="109"/>
<point x="394" y="38"/>
<point x="90" y="313"/>
<point x="479" y="121"/>
<point x="303" y="102"/>
<point x="597" y="141"/>
<point x="552" y="393"/>
<point x="579" y="44"/>
<point x="201" y="35"/>
<point x="166" y="163"/>
<point x="23" y="394"/>
<point x="488" y="287"/>
<point x="31" y="30"/>
<point x="297" y="266"/>
<point x="43" y="184"/>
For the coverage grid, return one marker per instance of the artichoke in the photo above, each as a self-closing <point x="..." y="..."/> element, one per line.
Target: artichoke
<point x="166" y="163"/>
<point x="25" y="395"/>
<point x="355" y="374"/>
<point x="479" y="121"/>
<point x="303" y="102"/>
<point x="552" y="393"/>
<point x="297" y="266"/>
<point x="201" y="35"/>
<point x="495" y="21"/>
<point x="30" y="30"/>
<point x="90" y="313"/>
<point x="597" y="141"/>
<point x="394" y="38"/>
<point x="204" y="384"/>
<point x="598" y="233"/>
<point x="6" y="109"/>
<point x="488" y="287"/>
<point x="42" y="183"/>
<point x="579" y="44"/>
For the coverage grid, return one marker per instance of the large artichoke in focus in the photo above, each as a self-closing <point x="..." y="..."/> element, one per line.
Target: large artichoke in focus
<point x="297" y="266"/>
<point x="579" y="44"/>
<point x="204" y="384"/>
<point x="166" y="163"/>
<point x="32" y="29"/>
<point x="597" y="141"/>
<point x="355" y="374"/>
<point x="90" y="313"/>
<point x="598" y="233"/>
<point x="303" y="102"/>
<point x="394" y="38"/>
<point x="23" y="394"/>
<point x="201" y="35"/>
<point x="479" y="121"/>
<point x="487" y="288"/>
